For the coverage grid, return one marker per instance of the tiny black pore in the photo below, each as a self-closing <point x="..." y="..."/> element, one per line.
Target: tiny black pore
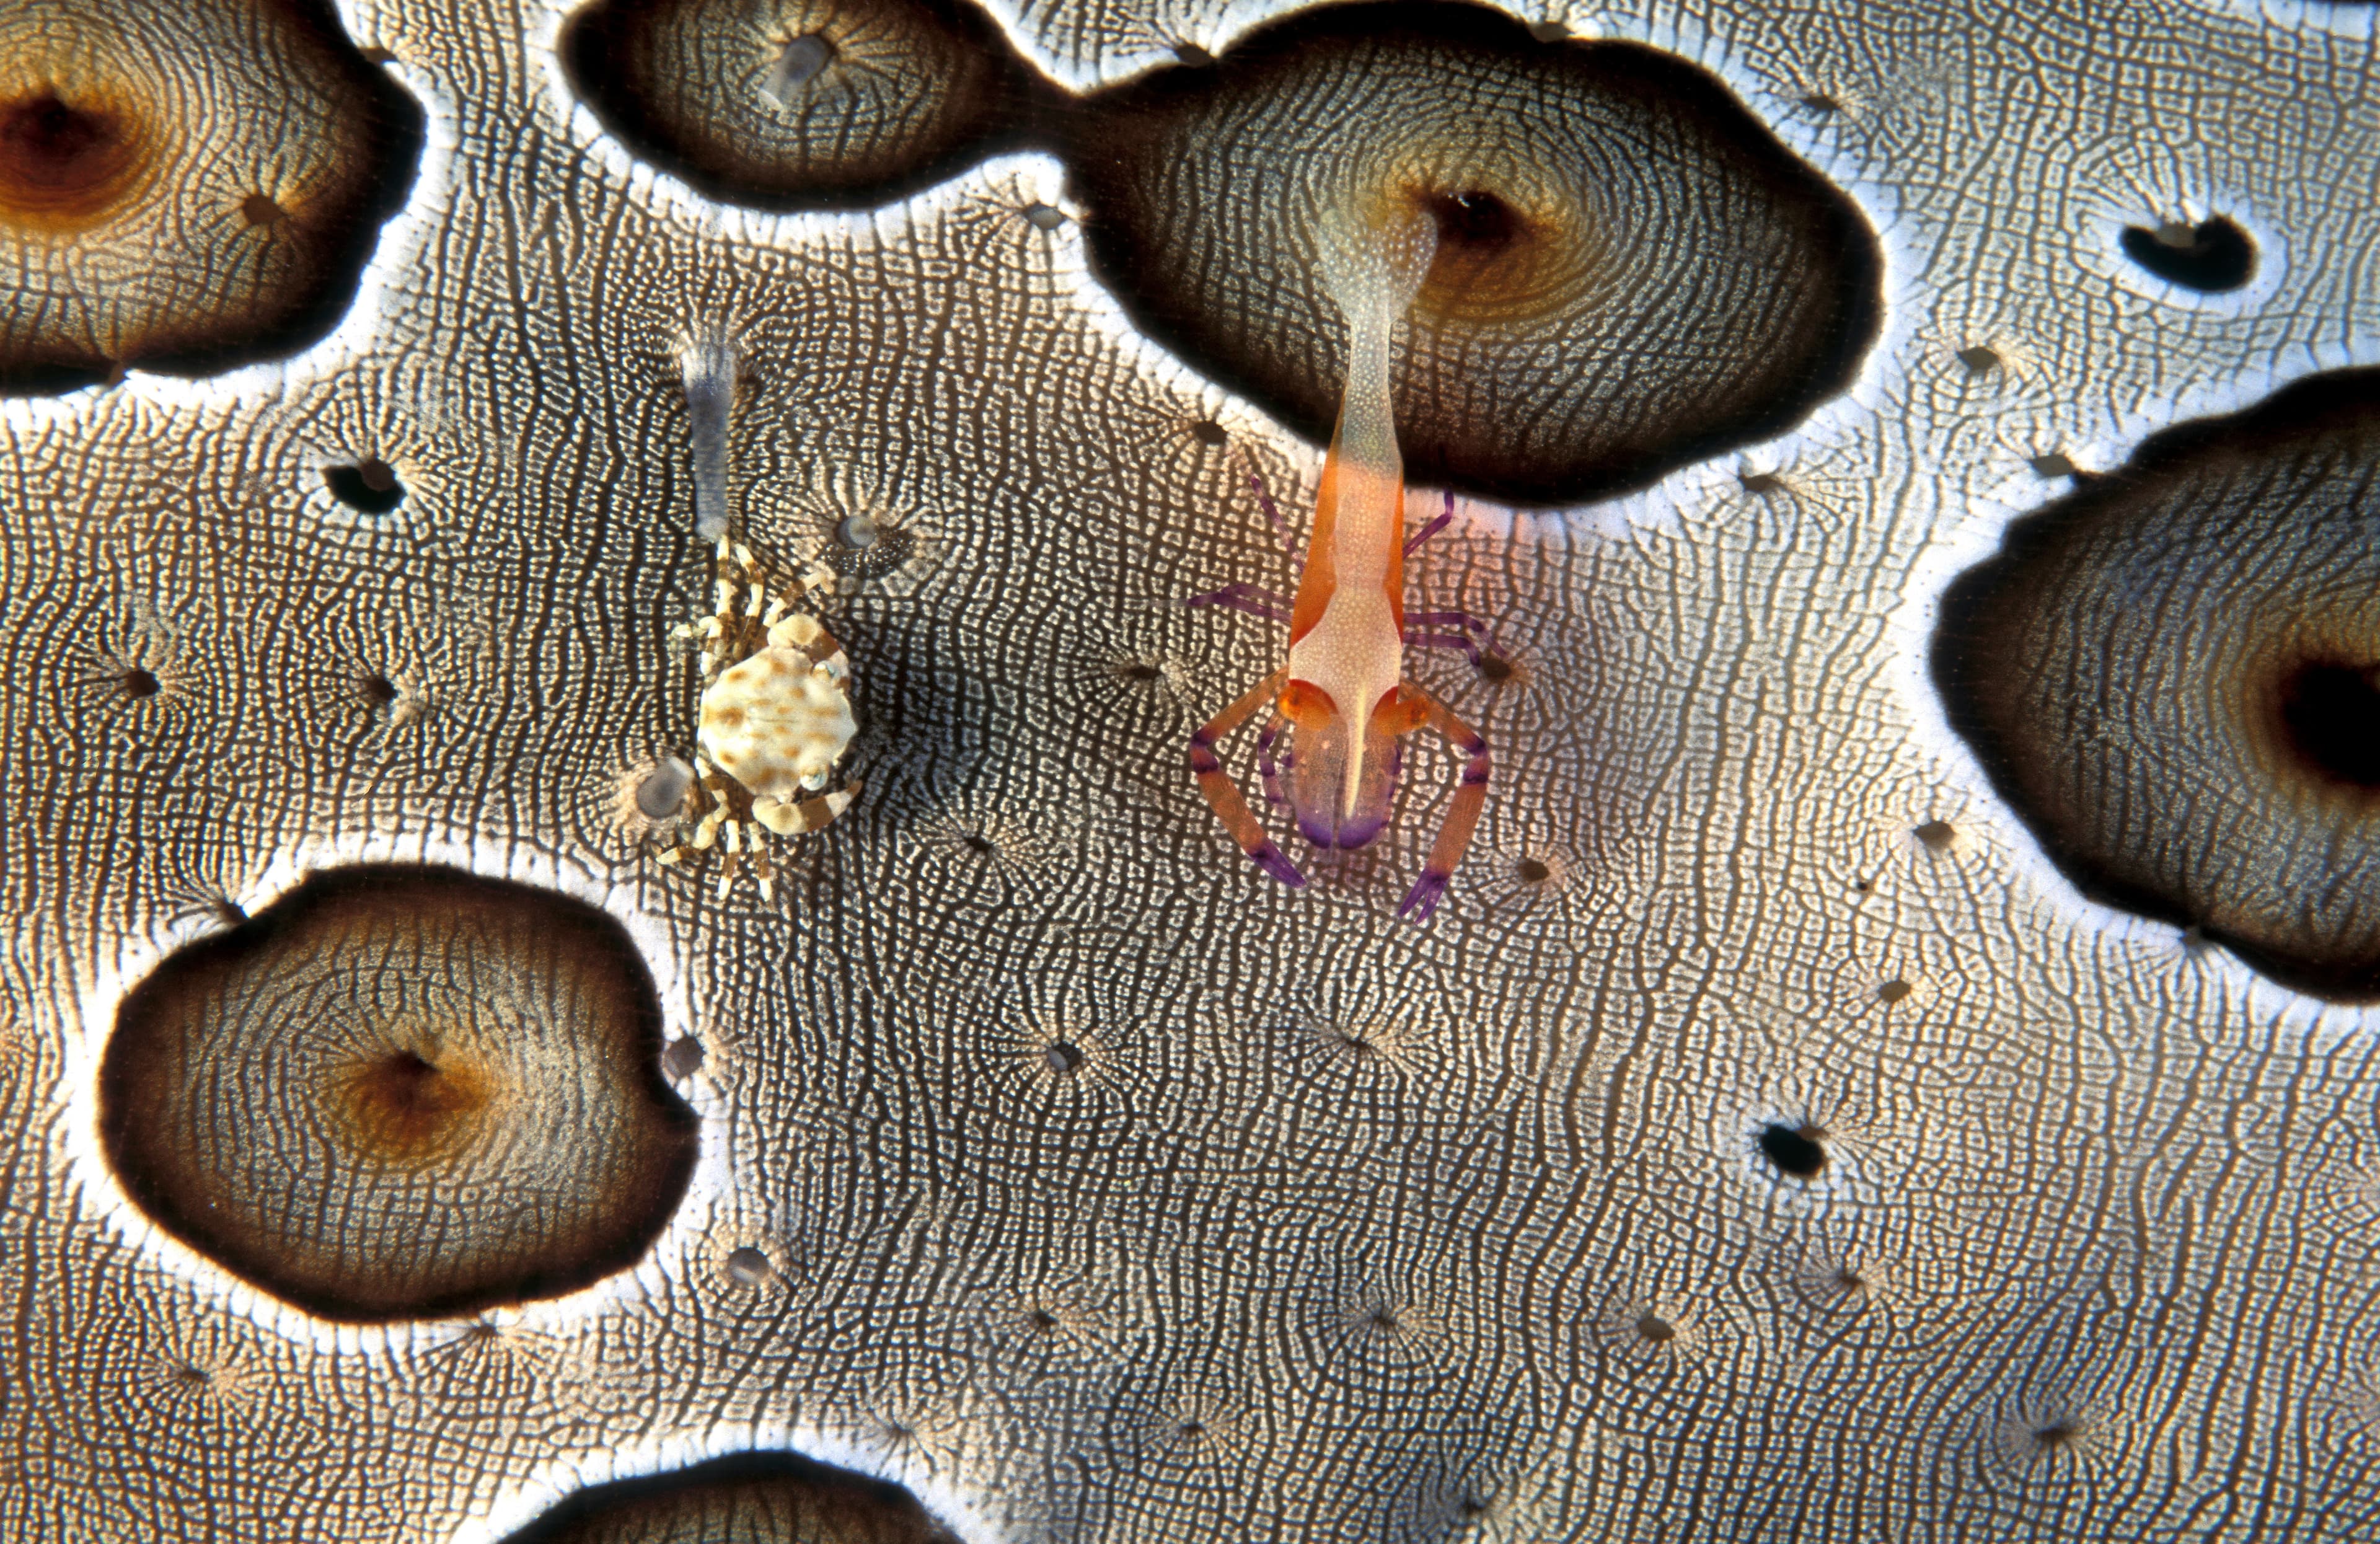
<point x="2332" y="713"/>
<point x="370" y="486"/>
<point x="1794" y="1149"/>
<point x="2213" y="256"/>
<point x="1475" y="219"/>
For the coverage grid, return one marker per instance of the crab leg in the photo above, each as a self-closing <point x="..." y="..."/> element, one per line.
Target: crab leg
<point x="1225" y="799"/>
<point x="1461" y="816"/>
<point x="802" y="631"/>
<point x="800" y="817"/>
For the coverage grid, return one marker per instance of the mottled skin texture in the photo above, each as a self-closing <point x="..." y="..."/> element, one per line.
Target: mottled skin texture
<point x="1101" y="1213"/>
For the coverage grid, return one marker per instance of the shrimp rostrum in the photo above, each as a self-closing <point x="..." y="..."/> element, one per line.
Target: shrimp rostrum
<point x="1343" y="696"/>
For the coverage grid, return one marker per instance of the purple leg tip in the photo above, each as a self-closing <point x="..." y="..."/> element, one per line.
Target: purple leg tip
<point x="1274" y="861"/>
<point x="1422" y="899"/>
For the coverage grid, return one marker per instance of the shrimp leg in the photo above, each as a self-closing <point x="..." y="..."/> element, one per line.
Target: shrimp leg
<point x="1255" y="600"/>
<point x="1268" y="765"/>
<point x="1216" y="784"/>
<point x="1461" y="816"/>
<point x="1273" y="512"/>
<point x="1438" y="523"/>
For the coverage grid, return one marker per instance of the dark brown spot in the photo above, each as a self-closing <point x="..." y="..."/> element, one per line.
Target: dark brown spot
<point x="267" y="95"/>
<point x="1139" y="671"/>
<point x="137" y="684"/>
<point x="1041" y="1319"/>
<point x="378" y="691"/>
<point x="1761" y="483"/>
<point x="1496" y="670"/>
<point x="1979" y="360"/>
<point x="2053" y="464"/>
<point x="2168" y="673"/>
<point x="2330" y="714"/>
<point x="1894" y="992"/>
<point x="1627" y="216"/>
<point x="1532" y="871"/>
<point x="1062" y="1056"/>
<point x="401" y="1092"/>
<point x="2057" y="1435"/>
<point x="763" y="1498"/>
<point x="1656" y="1331"/>
<point x="872" y="99"/>
<point x="1206" y="431"/>
<point x="1938" y="835"/>
<point x="408" y="1108"/>
<point x="1192" y="55"/>
<point x="62" y="165"/>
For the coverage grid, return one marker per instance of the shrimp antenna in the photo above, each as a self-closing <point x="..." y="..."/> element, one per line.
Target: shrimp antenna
<point x="709" y="363"/>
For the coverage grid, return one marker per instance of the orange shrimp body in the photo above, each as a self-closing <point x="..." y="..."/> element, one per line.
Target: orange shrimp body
<point x="1343" y="693"/>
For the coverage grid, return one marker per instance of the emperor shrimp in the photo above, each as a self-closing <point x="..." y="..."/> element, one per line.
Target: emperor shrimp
<point x="1343" y="694"/>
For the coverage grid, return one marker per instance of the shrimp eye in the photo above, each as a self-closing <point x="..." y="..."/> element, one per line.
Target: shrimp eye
<point x="1307" y="705"/>
<point x="1398" y="712"/>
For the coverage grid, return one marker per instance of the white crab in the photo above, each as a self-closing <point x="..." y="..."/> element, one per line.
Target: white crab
<point x="774" y="719"/>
